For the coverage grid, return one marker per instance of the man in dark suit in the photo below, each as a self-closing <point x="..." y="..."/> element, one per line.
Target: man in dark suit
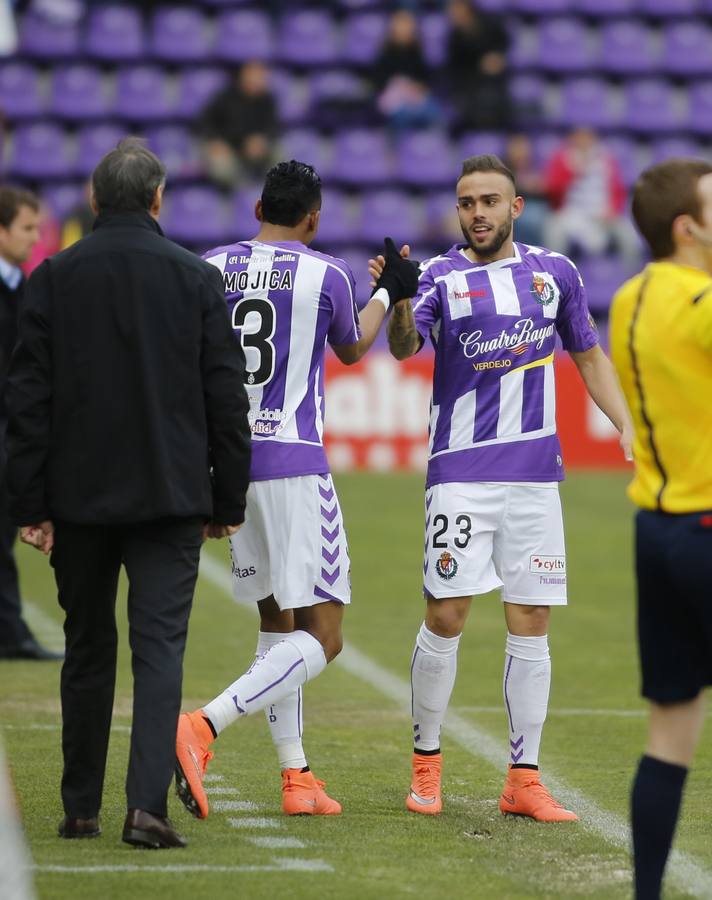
<point x="128" y="443"/>
<point x="19" y="232"/>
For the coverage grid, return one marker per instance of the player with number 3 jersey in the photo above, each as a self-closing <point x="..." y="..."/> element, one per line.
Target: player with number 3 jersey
<point x="493" y="309"/>
<point x="291" y="556"/>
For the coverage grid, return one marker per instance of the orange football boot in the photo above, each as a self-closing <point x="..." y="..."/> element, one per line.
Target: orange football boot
<point x="304" y="795"/>
<point x="192" y="757"/>
<point x="424" y="795"/>
<point x="524" y="795"/>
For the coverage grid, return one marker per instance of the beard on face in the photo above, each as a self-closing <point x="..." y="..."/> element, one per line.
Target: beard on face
<point x="499" y="236"/>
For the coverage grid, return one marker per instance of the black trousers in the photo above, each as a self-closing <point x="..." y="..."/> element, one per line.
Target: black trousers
<point x="161" y="561"/>
<point x="13" y="629"/>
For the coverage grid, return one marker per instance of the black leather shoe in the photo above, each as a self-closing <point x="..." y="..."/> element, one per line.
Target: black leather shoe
<point x="71" y="828"/>
<point x="28" y="649"/>
<point x="143" y="829"/>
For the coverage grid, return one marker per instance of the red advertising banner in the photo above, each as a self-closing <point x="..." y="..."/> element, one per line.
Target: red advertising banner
<point x="377" y="415"/>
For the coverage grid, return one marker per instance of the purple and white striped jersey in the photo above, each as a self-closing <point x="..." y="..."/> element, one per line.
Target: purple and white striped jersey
<point x="494" y="331"/>
<point x="285" y="303"/>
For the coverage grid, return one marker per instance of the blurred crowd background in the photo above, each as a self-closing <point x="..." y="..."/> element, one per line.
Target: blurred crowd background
<point x="384" y="98"/>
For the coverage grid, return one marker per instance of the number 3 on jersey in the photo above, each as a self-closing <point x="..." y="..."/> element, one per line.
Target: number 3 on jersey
<point x="256" y="320"/>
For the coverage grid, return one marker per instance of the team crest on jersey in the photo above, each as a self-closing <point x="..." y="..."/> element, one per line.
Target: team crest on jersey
<point x="544" y="289"/>
<point x="446" y="566"/>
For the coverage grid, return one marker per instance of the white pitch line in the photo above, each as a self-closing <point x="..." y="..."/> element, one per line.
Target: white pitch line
<point x="45" y="628"/>
<point x="254" y="822"/>
<point x="233" y="806"/>
<point x="614" y="829"/>
<point x="212" y="776"/>
<point x="279" y="865"/>
<point x="222" y="791"/>
<point x="275" y="843"/>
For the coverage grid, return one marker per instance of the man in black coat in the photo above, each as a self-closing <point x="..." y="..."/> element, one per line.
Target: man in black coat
<point x="128" y="443"/>
<point x="19" y="232"/>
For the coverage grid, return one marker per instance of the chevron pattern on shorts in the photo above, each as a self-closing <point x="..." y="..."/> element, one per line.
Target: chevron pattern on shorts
<point x="330" y="531"/>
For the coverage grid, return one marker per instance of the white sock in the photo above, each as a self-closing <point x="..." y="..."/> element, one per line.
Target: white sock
<point x="527" y="677"/>
<point x="284" y="717"/>
<point x="283" y="668"/>
<point x="432" y="676"/>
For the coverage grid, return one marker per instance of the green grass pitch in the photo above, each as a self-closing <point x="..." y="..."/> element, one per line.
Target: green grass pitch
<point x="357" y="737"/>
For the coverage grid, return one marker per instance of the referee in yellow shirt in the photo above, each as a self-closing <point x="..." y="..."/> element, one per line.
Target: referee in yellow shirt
<point x="661" y="346"/>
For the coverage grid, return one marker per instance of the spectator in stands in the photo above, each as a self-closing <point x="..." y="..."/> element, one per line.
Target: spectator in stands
<point x="476" y="68"/>
<point x="519" y="157"/>
<point x="585" y="188"/>
<point x="402" y="78"/>
<point x="238" y="126"/>
<point x="48" y="242"/>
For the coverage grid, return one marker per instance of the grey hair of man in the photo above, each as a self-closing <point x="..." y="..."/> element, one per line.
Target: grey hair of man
<point x="127" y="178"/>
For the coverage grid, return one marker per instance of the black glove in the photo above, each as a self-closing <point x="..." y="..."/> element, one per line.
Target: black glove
<point x="399" y="276"/>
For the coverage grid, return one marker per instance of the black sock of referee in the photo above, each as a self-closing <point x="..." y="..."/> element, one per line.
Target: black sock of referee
<point x="655" y="805"/>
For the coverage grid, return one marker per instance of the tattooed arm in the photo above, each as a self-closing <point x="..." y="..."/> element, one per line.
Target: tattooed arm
<point x="403" y="337"/>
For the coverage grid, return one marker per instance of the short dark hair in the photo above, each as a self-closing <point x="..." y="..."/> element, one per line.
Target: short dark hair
<point x="126" y="179"/>
<point x="11" y="199"/>
<point x="291" y="190"/>
<point x="487" y="162"/>
<point x="661" y="194"/>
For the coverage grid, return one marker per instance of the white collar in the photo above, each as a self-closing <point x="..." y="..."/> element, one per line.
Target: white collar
<point x="11" y="275"/>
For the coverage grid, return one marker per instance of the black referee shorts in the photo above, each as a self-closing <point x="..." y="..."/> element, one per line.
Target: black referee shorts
<point x="673" y="559"/>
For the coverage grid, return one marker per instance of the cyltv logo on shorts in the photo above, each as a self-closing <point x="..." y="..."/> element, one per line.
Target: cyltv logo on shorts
<point x="540" y="564"/>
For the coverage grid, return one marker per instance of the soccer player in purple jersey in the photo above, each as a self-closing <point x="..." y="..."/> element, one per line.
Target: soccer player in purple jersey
<point x="291" y="556"/>
<point x="492" y="309"/>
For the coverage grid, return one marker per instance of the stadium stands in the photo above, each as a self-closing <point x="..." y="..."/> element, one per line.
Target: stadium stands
<point x="640" y="71"/>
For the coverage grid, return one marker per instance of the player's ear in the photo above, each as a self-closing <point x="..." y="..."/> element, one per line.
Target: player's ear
<point x="313" y="220"/>
<point x="517" y="207"/>
<point x="258" y="210"/>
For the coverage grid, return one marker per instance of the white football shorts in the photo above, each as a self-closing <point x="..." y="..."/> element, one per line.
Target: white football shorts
<point x="485" y="535"/>
<point x="292" y="544"/>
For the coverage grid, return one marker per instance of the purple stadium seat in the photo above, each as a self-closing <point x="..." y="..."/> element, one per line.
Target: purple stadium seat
<point x="180" y="35"/>
<point x="652" y="106"/>
<point x="687" y="48"/>
<point x="115" y="33"/>
<point x="176" y="147"/>
<point x="339" y="99"/>
<point x="337" y="223"/>
<point x="20" y="91"/>
<point x="441" y="225"/>
<point x="524" y="48"/>
<point x="541" y="7"/>
<point x="425" y="159"/>
<point x="242" y="221"/>
<point x="675" y="146"/>
<point x="196" y="86"/>
<point x="244" y="34"/>
<point x="143" y="94"/>
<point x="605" y="8"/>
<point x="93" y="141"/>
<point x="364" y="157"/>
<point x="631" y="158"/>
<point x="63" y="198"/>
<point x="292" y="95"/>
<point x="627" y="47"/>
<point x="700" y="100"/>
<point x="474" y="143"/>
<point x="588" y="102"/>
<point x="667" y="8"/>
<point x="45" y="39"/>
<point x="41" y="150"/>
<point x="496" y="7"/>
<point x="390" y="213"/>
<point x="564" y="45"/>
<point x="79" y="92"/>
<point x="362" y="38"/>
<point x="195" y="216"/>
<point x="433" y="35"/>
<point x="312" y="29"/>
<point x="544" y="143"/>
<point x="602" y="276"/>
<point x="527" y="93"/>
<point x="308" y="147"/>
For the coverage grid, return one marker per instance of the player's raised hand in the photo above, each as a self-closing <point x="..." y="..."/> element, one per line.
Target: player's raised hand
<point x="215" y="530"/>
<point x="399" y="275"/>
<point x="375" y="265"/>
<point x="39" y="536"/>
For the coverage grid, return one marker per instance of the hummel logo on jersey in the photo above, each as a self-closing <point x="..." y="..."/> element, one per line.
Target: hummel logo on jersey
<point x="423" y="801"/>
